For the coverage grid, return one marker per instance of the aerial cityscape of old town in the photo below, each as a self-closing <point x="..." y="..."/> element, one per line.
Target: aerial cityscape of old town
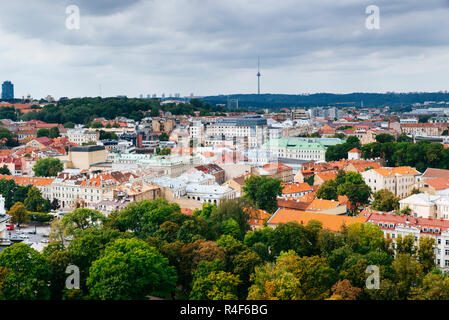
<point x="264" y="185"/>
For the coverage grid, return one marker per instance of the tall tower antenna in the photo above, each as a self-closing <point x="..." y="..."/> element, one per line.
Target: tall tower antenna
<point x="258" y="75"/>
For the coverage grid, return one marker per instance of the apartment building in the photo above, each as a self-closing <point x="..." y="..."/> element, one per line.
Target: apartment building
<point x="393" y="225"/>
<point x="297" y="149"/>
<point x="398" y="180"/>
<point x="427" y="205"/>
<point x="254" y="128"/>
<point x="196" y="132"/>
<point x="75" y="189"/>
<point x="427" y="129"/>
<point x="43" y="184"/>
<point x="80" y="136"/>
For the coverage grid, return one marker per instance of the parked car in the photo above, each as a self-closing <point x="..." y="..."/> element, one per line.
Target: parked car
<point x="10" y="226"/>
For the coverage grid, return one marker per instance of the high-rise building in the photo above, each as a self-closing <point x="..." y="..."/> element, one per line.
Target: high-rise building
<point x="7" y="90"/>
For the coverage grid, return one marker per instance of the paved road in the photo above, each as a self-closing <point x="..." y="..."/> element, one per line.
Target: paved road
<point x="27" y="234"/>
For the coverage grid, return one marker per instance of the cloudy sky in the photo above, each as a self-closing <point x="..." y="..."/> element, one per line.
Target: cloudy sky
<point x="208" y="47"/>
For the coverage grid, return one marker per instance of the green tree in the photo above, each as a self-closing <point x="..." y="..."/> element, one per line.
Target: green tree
<point x="34" y="201"/>
<point x="53" y="133"/>
<point x="293" y="278"/>
<point x="328" y="191"/>
<point x="407" y="274"/>
<point x="43" y="132"/>
<point x="310" y="180"/>
<point x="131" y="269"/>
<point x="385" y="137"/>
<point x="406" y="244"/>
<point x="87" y="246"/>
<point x="145" y="217"/>
<point x="96" y="125"/>
<point x="11" y="139"/>
<point x="404" y="138"/>
<point x="263" y="191"/>
<point x="405" y="211"/>
<point x="19" y="213"/>
<point x="355" y="188"/>
<point x="4" y="170"/>
<point x="163" y="137"/>
<point x="426" y="253"/>
<point x="290" y="236"/>
<point x="230" y="209"/>
<point x="27" y="273"/>
<point x="69" y="125"/>
<point x="81" y="219"/>
<point x="435" y="286"/>
<point x="47" y="167"/>
<point x="58" y="258"/>
<point x="385" y="200"/>
<point x="216" y="286"/>
<point x="12" y="192"/>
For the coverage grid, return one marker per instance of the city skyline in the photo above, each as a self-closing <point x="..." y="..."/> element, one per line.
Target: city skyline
<point x="144" y="47"/>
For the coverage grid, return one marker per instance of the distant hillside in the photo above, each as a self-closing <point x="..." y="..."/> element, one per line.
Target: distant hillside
<point x="325" y="99"/>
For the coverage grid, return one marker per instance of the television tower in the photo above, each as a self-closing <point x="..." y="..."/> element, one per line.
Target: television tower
<point x="258" y="75"/>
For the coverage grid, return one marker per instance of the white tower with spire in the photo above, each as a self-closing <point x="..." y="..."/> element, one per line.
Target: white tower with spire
<point x="258" y="75"/>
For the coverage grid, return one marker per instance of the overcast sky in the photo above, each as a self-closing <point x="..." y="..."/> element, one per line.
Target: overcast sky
<point x="208" y="47"/>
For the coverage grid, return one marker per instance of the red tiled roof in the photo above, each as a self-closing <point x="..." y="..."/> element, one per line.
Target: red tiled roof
<point x="329" y="221"/>
<point x="296" y="188"/>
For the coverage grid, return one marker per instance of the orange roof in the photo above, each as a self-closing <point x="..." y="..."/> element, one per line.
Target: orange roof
<point x="296" y="188"/>
<point x="355" y="150"/>
<point x="343" y="200"/>
<point x="186" y="211"/>
<point x="322" y="204"/>
<point x="330" y="222"/>
<point x="23" y="105"/>
<point x="308" y="197"/>
<point x="387" y="172"/>
<point x="29" y="110"/>
<point x="96" y="181"/>
<point x="258" y="217"/>
<point x="361" y="166"/>
<point x="24" y="181"/>
<point x="438" y="183"/>
<point x="276" y="167"/>
<point x="327" y="175"/>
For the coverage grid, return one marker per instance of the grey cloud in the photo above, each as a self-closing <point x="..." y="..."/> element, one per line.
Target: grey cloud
<point x="177" y="39"/>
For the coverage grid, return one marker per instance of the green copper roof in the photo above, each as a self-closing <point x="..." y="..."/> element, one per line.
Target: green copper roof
<point x="292" y="143"/>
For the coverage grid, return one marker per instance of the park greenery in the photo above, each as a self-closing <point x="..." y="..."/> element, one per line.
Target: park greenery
<point x="47" y="167"/>
<point x="349" y="184"/>
<point x="151" y="249"/>
<point x="395" y="152"/>
<point x="85" y="110"/>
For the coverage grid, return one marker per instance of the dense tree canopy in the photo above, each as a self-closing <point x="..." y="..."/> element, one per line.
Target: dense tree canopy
<point x="421" y="155"/>
<point x="263" y="191"/>
<point x="84" y="110"/>
<point x="47" y="167"/>
<point x="151" y="249"/>
<point x="131" y="269"/>
<point x="27" y="273"/>
<point x="340" y="151"/>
